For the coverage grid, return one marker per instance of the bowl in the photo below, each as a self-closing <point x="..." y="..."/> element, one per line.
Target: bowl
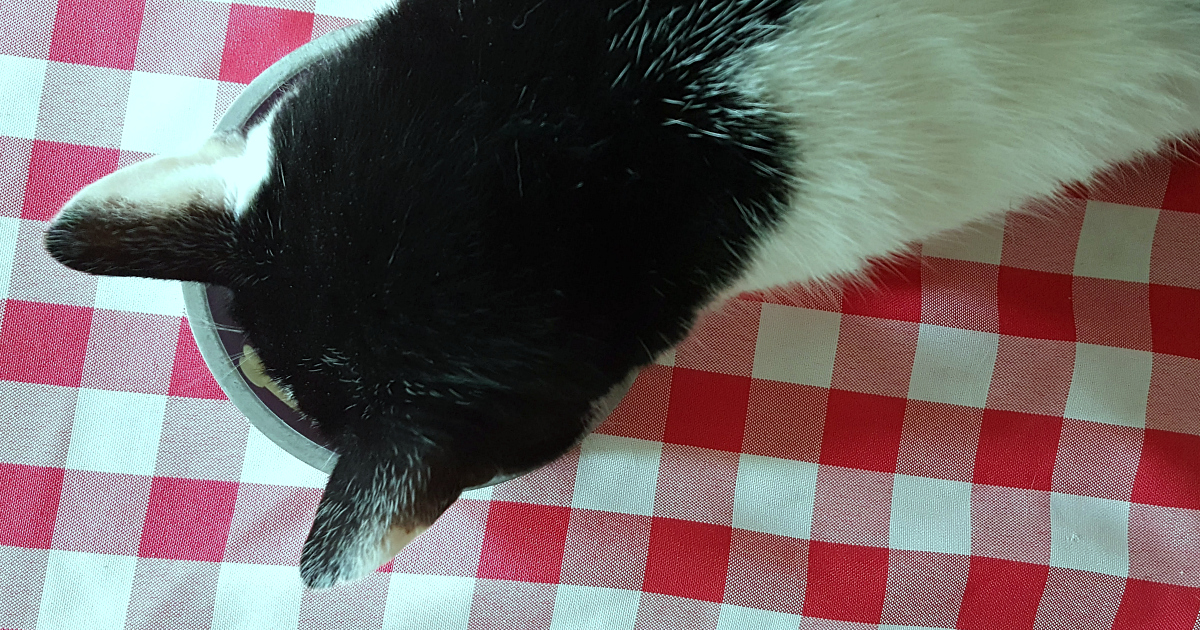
<point x="218" y="336"/>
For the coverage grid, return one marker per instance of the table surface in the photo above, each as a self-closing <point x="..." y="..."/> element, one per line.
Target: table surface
<point x="1000" y="431"/>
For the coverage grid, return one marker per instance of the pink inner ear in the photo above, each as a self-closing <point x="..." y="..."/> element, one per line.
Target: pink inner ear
<point x="395" y="540"/>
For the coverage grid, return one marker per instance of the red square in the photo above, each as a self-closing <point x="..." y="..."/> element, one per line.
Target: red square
<point x="1001" y="594"/>
<point x="862" y="431"/>
<point x="1169" y="473"/>
<point x="101" y="512"/>
<point x="1036" y="304"/>
<point x="1183" y="189"/>
<point x="29" y="499"/>
<point x="707" y="410"/>
<point x="97" y="32"/>
<point x="188" y="519"/>
<point x="642" y="413"/>
<point x="1173" y="313"/>
<point x="890" y="289"/>
<point x="785" y="420"/>
<point x="875" y="356"/>
<point x="260" y="36"/>
<point x="190" y="376"/>
<point x="606" y="549"/>
<point x="767" y="572"/>
<point x="688" y="559"/>
<point x="723" y="341"/>
<point x="960" y="294"/>
<point x="1147" y="605"/>
<point x="846" y="582"/>
<point x="44" y="343"/>
<point x="1017" y="449"/>
<point x="524" y="542"/>
<point x="57" y="171"/>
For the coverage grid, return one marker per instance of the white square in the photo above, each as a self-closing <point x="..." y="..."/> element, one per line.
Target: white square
<point x="8" y="250"/>
<point x="353" y="9"/>
<point x="254" y="596"/>
<point x="796" y="345"/>
<point x="953" y="366"/>
<point x="617" y="474"/>
<point x="167" y="113"/>
<point x="1115" y="242"/>
<point x="980" y="242"/>
<point x="22" y="79"/>
<point x="266" y="463"/>
<point x="741" y="618"/>
<point x="594" y="608"/>
<point x="1110" y="385"/>
<point x="140" y="295"/>
<point x="930" y="515"/>
<point x="86" y="590"/>
<point x="774" y="496"/>
<point x="1089" y="534"/>
<point x="439" y="601"/>
<point x="116" y="432"/>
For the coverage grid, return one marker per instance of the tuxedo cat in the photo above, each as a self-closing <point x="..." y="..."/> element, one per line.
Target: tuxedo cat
<point x="479" y="216"/>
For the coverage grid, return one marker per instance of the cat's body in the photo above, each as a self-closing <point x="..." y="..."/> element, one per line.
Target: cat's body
<point x="479" y="217"/>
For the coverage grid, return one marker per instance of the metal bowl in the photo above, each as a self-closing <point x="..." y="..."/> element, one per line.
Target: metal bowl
<point x="218" y="336"/>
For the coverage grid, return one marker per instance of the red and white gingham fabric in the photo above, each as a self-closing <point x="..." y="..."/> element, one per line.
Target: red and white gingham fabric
<point x="1005" y="435"/>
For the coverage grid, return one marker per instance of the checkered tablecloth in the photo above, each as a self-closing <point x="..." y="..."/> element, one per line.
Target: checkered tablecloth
<point x="1002" y="433"/>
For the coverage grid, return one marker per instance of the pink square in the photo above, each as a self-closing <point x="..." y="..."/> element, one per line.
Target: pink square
<point x="270" y="524"/>
<point x="202" y="439"/>
<point x="1097" y="460"/>
<point x="1175" y="258"/>
<point x="1148" y="605"/>
<point x="1046" y="240"/>
<point x="875" y="356"/>
<point x="723" y="341"/>
<point x="606" y="549"/>
<point x="812" y="296"/>
<point x="1173" y="317"/>
<point x="665" y="612"/>
<point x="939" y="440"/>
<point x="182" y="37"/>
<point x="1164" y="543"/>
<point x="29" y="501"/>
<point x="26" y="28"/>
<point x="890" y="289"/>
<point x="785" y="420"/>
<point x="767" y="572"/>
<point x="36" y="277"/>
<point x="44" y="343"/>
<point x="553" y="484"/>
<point x="97" y="32"/>
<point x="1001" y="594"/>
<point x="260" y="36"/>
<point x="688" y="559"/>
<point x="188" y="519"/>
<point x="452" y="546"/>
<point x="1174" y="394"/>
<point x="326" y="24"/>
<point x="83" y="105"/>
<point x="1032" y="375"/>
<point x="1017" y="449"/>
<point x="101" y="512"/>
<point x="696" y="484"/>
<point x="960" y="294"/>
<point x="1036" y="304"/>
<point x="23" y="573"/>
<point x="177" y="592"/>
<point x="45" y="442"/>
<point x="846" y="582"/>
<point x="924" y="588"/>
<point x="1010" y="523"/>
<point x="506" y="605"/>
<point x="365" y="602"/>
<point x="190" y="376"/>
<point x="57" y="171"/>
<point x="1079" y="599"/>
<point x="707" y="409"/>
<point x="1112" y="313"/>
<point x="862" y="431"/>
<point x="15" y="156"/>
<point x="1169" y="473"/>
<point x="642" y="414"/>
<point x="1183" y="188"/>
<point x="131" y="352"/>
<point x="852" y="507"/>
<point x="524" y="542"/>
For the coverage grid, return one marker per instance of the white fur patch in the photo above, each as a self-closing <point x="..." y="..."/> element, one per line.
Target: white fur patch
<point x="244" y="174"/>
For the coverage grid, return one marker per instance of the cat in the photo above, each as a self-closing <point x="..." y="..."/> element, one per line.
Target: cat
<point x="479" y="216"/>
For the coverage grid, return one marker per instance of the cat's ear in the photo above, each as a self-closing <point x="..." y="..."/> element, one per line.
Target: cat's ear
<point x="170" y="217"/>
<point x="382" y="493"/>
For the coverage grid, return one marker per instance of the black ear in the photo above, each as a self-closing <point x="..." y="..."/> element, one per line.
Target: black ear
<point x="169" y="217"/>
<point x="383" y="492"/>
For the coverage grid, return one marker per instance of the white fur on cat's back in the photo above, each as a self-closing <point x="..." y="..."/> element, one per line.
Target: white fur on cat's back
<point x="916" y="116"/>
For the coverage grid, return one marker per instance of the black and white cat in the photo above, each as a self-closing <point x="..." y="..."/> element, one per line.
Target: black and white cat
<point x="481" y="215"/>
